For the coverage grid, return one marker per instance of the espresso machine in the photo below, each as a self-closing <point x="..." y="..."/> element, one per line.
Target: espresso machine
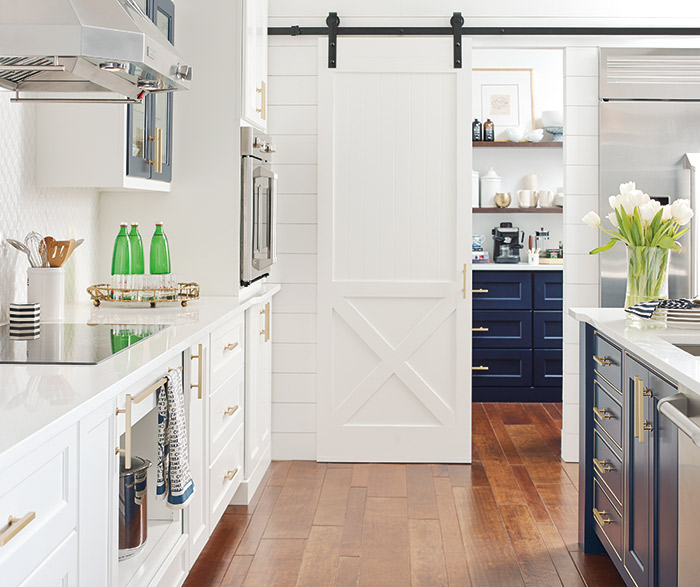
<point x="507" y="243"/>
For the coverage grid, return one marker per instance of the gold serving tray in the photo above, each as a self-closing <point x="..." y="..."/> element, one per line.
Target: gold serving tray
<point x="182" y="294"/>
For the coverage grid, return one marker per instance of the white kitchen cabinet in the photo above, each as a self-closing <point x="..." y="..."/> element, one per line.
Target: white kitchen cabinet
<point x="254" y="41"/>
<point x="258" y="397"/>
<point x="197" y="390"/>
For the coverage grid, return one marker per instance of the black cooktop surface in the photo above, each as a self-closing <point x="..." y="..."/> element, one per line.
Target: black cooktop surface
<point x="72" y="344"/>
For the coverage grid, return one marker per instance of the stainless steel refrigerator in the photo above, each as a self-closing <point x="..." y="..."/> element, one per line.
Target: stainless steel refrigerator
<point x="650" y="134"/>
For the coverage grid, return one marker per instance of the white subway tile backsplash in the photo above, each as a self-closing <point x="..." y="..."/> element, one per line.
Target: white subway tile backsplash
<point x="580" y="239"/>
<point x="295" y="328"/>
<point x="581" y="150"/>
<point x="570" y="417"/>
<point x="580" y="296"/>
<point x="287" y="90"/>
<point x="293" y="418"/>
<point x="298" y="388"/>
<point x="581" y="91"/>
<point x="571" y="328"/>
<point x="581" y="120"/>
<point x="296" y="209"/>
<point x="292" y="61"/>
<point x="571" y="360"/>
<point x="295" y="298"/>
<point x="292" y="120"/>
<point x="296" y="238"/>
<point x="297" y="179"/>
<point x="581" y="268"/>
<point x="293" y="358"/>
<point x="581" y="61"/>
<point x="295" y="150"/>
<point x="581" y="179"/>
<point x="294" y="268"/>
<point x="291" y="447"/>
<point x="577" y="206"/>
<point x="569" y="448"/>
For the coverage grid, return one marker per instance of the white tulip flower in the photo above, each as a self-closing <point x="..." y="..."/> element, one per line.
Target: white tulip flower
<point x="613" y="219"/>
<point x="648" y="211"/>
<point x="667" y="213"/>
<point x="681" y="212"/>
<point x="591" y="219"/>
<point x="627" y="187"/>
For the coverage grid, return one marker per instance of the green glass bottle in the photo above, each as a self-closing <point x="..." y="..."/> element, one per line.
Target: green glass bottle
<point x="137" y="262"/>
<point x="121" y="255"/>
<point x="160" y="252"/>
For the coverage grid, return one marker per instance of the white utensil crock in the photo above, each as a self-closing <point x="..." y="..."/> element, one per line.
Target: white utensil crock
<point x="46" y="286"/>
<point x="490" y="186"/>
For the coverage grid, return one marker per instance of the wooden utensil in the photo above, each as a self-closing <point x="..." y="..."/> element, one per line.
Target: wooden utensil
<point x="59" y="251"/>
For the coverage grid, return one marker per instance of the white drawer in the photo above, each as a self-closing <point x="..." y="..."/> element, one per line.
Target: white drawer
<point x="225" y="412"/>
<point x="174" y="570"/>
<point x="59" y="569"/>
<point x="227" y="349"/>
<point x="221" y="488"/>
<point x="45" y="484"/>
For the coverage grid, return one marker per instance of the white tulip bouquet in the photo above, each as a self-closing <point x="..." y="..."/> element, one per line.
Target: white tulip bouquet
<point x="650" y="232"/>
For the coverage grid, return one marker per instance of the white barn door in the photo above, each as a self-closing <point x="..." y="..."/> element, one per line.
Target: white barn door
<point x="394" y="235"/>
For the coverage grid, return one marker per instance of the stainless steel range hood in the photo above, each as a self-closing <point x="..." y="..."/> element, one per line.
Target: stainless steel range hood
<point x="94" y="46"/>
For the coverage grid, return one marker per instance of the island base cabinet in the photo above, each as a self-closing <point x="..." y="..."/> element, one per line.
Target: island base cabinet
<point x="59" y="569"/>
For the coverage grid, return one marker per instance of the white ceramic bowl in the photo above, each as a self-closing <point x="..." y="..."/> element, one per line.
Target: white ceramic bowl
<point x="552" y="118"/>
<point x="516" y="133"/>
<point x="535" y="136"/>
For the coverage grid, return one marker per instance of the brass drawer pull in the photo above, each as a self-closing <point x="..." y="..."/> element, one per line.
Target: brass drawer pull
<point x="262" y="90"/>
<point x="231" y="410"/>
<point x="480" y="329"/>
<point x="647" y="425"/>
<point x="231" y="474"/>
<point x="603" y="466"/>
<point x="480" y="291"/>
<point x="598" y="515"/>
<point x="15" y="526"/>
<point x="480" y="368"/>
<point x="266" y="331"/>
<point x="602" y="414"/>
<point x="200" y="358"/>
<point x="602" y="361"/>
<point x="230" y="346"/>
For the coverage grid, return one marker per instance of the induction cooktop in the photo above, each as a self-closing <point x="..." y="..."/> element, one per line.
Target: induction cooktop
<point x="72" y="344"/>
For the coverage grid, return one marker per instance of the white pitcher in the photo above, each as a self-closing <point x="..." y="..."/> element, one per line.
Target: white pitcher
<point x="532" y="182"/>
<point x="546" y="198"/>
<point x="527" y="198"/>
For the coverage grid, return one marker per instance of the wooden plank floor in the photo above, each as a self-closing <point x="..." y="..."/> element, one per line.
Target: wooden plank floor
<point x="507" y="519"/>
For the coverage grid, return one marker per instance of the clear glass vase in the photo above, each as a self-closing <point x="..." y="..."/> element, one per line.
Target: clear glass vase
<point x="647" y="275"/>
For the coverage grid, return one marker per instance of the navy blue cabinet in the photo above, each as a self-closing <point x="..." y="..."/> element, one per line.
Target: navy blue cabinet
<point x="516" y="335"/>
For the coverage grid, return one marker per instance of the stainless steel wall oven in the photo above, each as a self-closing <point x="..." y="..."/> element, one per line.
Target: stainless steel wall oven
<point x="258" y="206"/>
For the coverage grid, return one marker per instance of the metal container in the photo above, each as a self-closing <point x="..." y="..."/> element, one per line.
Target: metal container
<point x="133" y="511"/>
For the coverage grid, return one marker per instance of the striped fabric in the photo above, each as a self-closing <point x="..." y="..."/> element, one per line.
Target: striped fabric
<point x="647" y="309"/>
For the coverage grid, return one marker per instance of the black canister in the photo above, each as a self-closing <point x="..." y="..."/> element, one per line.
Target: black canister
<point x="133" y="511"/>
<point x="476" y="130"/>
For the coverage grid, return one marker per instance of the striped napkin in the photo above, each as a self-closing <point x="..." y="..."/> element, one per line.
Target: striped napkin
<point x="647" y="309"/>
<point x="174" y="480"/>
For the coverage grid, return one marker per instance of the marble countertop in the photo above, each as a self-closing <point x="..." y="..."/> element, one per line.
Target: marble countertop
<point x="37" y="401"/>
<point x="653" y="345"/>
<point x="514" y="267"/>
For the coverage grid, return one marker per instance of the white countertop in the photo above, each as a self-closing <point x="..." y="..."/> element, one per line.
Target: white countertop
<point x="514" y="267"/>
<point x="652" y="345"/>
<point x="37" y="401"/>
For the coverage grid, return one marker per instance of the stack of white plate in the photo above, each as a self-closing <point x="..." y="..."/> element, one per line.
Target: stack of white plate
<point x="680" y="318"/>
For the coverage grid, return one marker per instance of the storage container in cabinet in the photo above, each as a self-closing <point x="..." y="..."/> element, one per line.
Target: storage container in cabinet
<point x="494" y="329"/>
<point x="501" y="290"/>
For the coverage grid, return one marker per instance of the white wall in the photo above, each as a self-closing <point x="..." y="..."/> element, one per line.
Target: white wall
<point x="61" y="213"/>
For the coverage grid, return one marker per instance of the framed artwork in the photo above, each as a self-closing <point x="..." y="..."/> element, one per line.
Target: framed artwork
<point x="505" y="97"/>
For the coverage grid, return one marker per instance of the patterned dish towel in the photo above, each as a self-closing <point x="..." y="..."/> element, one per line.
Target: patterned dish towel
<point x="647" y="309"/>
<point x="174" y="480"/>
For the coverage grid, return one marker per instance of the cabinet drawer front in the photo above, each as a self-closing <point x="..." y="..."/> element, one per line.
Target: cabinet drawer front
<point x="607" y="413"/>
<point x="228" y="464"/>
<point x="225" y="412"/>
<point x="502" y="290"/>
<point x="505" y="367"/>
<point x="547" y="368"/>
<point x="548" y="290"/>
<point x="611" y="358"/>
<point x="607" y="466"/>
<point x="503" y="329"/>
<point x="58" y="569"/>
<point x="547" y="329"/>
<point x="45" y="484"/>
<point x="227" y="350"/>
<point x="610" y="530"/>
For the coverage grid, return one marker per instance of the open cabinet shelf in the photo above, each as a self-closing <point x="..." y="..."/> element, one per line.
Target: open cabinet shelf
<point x="521" y="145"/>
<point x="516" y="210"/>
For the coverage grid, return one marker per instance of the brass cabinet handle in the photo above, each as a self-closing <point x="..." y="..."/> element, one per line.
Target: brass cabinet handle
<point x="262" y="90"/>
<point x="200" y="359"/>
<point x="230" y="474"/>
<point x="602" y="361"/>
<point x="602" y="414"/>
<point x="603" y="466"/>
<point x="639" y="390"/>
<point x="598" y="515"/>
<point x="480" y="368"/>
<point x="480" y="291"/>
<point x="15" y="526"/>
<point x="158" y="156"/>
<point x="646" y="425"/>
<point x="230" y="346"/>
<point x="231" y="410"/>
<point x="480" y="329"/>
<point x="266" y="330"/>
<point x="464" y="281"/>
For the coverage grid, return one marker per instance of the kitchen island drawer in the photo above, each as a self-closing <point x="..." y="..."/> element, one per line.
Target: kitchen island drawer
<point x="608" y="521"/>
<point x="226" y="411"/>
<point x="227" y="349"/>
<point x="548" y="290"/>
<point x="607" y="360"/>
<point x="495" y="329"/>
<point x="607" y="465"/>
<point x="40" y="493"/>
<point x="498" y="290"/>
<point x="607" y="412"/>
<point x="501" y="367"/>
<point x="225" y="475"/>
<point x="547" y="367"/>
<point x="547" y="330"/>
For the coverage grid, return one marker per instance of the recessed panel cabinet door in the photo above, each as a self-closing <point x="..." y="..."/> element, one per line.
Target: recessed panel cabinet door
<point x="394" y="262"/>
